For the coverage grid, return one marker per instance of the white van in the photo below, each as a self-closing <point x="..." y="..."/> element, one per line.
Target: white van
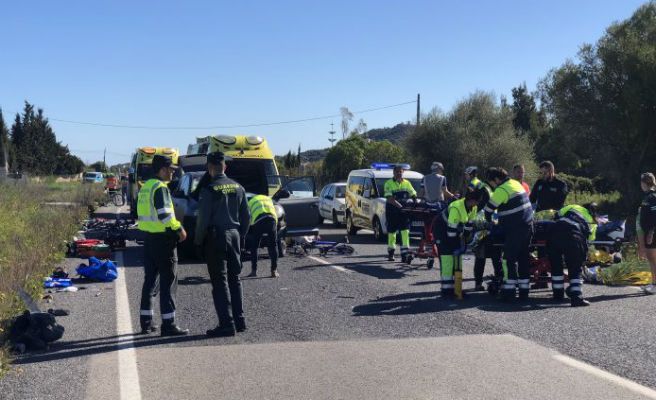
<point x="365" y="204"/>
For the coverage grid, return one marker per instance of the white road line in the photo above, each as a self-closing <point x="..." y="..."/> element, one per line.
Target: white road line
<point x="618" y="380"/>
<point x="337" y="267"/>
<point x="128" y="374"/>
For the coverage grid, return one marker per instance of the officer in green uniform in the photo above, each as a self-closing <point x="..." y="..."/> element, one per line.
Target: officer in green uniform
<point x="398" y="190"/>
<point x="513" y="208"/>
<point x="568" y="238"/>
<point x="264" y="221"/>
<point x="162" y="232"/>
<point x="221" y="227"/>
<point x="448" y="229"/>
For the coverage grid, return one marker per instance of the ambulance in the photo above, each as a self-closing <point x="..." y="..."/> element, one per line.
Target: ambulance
<point x="141" y="170"/>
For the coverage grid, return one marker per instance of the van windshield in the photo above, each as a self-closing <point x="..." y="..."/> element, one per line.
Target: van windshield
<point x="380" y="185"/>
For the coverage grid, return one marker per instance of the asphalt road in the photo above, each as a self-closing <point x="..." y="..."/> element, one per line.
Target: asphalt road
<point x="345" y="327"/>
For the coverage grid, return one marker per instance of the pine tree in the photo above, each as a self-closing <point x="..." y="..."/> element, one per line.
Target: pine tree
<point x="4" y="146"/>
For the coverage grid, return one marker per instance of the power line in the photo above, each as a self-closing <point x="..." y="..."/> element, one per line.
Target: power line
<point x="295" y="121"/>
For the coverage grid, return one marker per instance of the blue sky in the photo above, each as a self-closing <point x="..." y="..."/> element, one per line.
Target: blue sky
<point x="218" y="63"/>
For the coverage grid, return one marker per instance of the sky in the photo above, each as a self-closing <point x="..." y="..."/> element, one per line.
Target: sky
<point x="213" y="65"/>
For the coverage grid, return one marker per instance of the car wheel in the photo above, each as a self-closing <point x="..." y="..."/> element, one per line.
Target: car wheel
<point x="350" y="228"/>
<point x="378" y="230"/>
<point x="335" y="220"/>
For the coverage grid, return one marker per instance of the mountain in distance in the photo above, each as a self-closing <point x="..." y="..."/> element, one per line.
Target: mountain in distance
<point x="395" y="134"/>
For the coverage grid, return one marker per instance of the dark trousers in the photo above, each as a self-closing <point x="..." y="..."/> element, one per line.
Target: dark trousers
<point x="222" y="252"/>
<point x="264" y="226"/>
<point x="485" y="250"/>
<point x="160" y="265"/>
<point x="516" y="254"/>
<point x="568" y="242"/>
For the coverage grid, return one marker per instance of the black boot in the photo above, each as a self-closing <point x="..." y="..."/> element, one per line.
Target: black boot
<point x="577" y="301"/>
<point x="390" y="254"/>
<point x="222" y="331"/>
<point x="240" y="325"/>
<point x="147" y="326"/>
<point x="169" y="328"/>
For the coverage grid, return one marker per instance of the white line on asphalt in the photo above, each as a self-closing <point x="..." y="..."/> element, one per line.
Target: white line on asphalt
<point x="618" y="380"/>
<point x="128" y="374"/>
<point x="337" y="267"/>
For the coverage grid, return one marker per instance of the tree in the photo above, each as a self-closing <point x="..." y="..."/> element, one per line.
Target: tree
<point x="355" y="153"/>
<point x="523" y="107"/>
<point x="601" y="109"/>
<point x="35" y="148"/>
<point x="347" y="117"/>
<point x="477" y="131"/>
<point x="342" y="158"/>
<point x="4" y="146"/>
<point x="383" y="151"/>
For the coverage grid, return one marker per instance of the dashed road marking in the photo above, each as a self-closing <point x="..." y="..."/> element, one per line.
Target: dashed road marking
<point x="324" y="262"/>
<point x="618" y="380"/>
<point x="128" y="373"/>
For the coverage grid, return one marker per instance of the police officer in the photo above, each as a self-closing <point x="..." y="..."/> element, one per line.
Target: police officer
<point x="568" y="237"/>
<point x="264" y="221"/>
<point x="549" y="192"/>
<point x="510" y="200"/>
<point x="223" y="221"/>
<point x="448" y="230"/>
<point x="396" y="191"/>
<point x="157" y="219"/>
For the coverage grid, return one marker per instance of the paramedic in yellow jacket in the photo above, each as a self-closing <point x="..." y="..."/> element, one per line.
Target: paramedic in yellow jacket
<point x="398" y="190"/>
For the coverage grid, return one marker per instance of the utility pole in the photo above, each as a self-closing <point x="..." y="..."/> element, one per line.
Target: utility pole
<point x="331" y="139"/>
<point x="418" y="109"/>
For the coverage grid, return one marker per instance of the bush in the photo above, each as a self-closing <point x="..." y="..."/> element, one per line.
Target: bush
<point x="32" y="237"/>
<point x="478" y="131"/>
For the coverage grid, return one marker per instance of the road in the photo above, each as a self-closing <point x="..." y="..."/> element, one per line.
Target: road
<point x="342" y="328"/>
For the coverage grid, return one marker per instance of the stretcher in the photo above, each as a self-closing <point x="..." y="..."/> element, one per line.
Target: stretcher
<point x="424" y="212"/>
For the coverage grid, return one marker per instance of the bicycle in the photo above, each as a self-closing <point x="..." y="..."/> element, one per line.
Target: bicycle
<point x="116" y="197"/>
<point x="324" y="247"/>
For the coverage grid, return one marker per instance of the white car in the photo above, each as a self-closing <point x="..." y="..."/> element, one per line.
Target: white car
<point x="365" y="203"/>
<point x="332" y="203"/>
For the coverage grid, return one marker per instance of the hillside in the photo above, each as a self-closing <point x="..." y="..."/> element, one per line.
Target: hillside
<point x="394" y="135"/>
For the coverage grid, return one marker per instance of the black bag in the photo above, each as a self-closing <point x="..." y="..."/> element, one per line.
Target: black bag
<point x="35" y="330"/>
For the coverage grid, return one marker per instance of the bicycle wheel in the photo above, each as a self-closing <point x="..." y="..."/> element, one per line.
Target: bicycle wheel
<point x="117" y="199"/>
<point x="343" y="249"/>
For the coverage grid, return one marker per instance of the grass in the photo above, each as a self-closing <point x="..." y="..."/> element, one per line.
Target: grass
<point x="32" y="239"/>
<point x="631" y="271"/>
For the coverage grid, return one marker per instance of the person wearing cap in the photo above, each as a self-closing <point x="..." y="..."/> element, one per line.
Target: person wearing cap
<point x="162" y="230"/>
<point x="396" y="191"/>
<point x="221" y="228"/>
<point x="434" y="186"/>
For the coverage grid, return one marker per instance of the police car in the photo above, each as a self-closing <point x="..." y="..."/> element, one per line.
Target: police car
<point x="365" y="203"/>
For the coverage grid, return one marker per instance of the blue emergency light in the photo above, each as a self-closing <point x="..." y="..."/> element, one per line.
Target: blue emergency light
<point x="379" y="166"/>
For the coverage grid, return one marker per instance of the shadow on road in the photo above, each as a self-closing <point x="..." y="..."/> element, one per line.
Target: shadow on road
<point x="428" y="302"/>
<point x="65" y="350"/>
<point x="193" y="280"/>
